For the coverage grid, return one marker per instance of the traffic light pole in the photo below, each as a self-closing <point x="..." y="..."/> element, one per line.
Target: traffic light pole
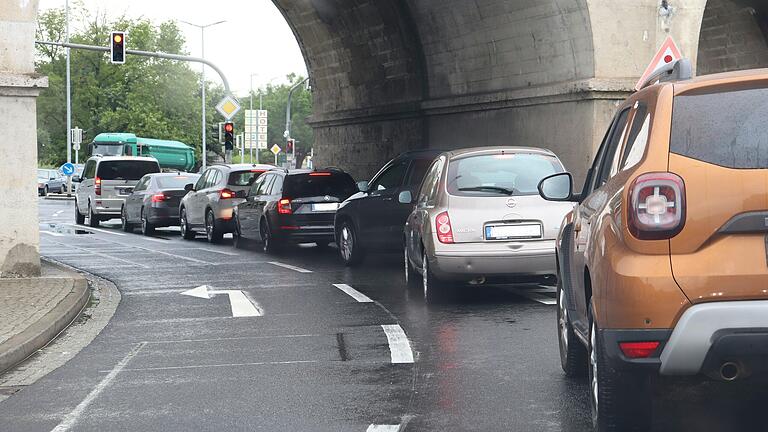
<point x="224" y="80"/>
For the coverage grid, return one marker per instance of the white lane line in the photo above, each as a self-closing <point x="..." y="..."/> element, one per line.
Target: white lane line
<point x="535" y="296"/>
<point x="222" y="365"/>
<point x="155" y="240"/>
<point x="290" y="267"/>
<point x="289" y="336"/>
<point x="52" y="233"/>
<point x="87" y="228"/>
<point x="383" y="428"/>
<point x="103" y="255"/>
<point x="71" y="418"/>
<point x="58" y="213"/>
<point x="355" y="294"/>
<point x="399" y="346"/>
<point x="162" y="253"/>
<point x="219" y="252"/>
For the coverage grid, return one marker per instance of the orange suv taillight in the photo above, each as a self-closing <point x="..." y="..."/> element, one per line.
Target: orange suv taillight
<point x="657" y="206"/>
<point x="284" y="206"/>
<point x="444" y="230"/>
<point x="97" y="186"/>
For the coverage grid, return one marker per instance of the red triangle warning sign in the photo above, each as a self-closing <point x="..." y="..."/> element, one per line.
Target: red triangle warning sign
<point x="668" y="53"/>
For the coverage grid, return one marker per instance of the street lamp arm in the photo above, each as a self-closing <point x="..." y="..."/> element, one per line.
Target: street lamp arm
<point x="147" y="54"/>
<point x="288" y="107"/>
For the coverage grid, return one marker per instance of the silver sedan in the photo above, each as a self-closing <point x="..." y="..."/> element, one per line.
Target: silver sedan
<point x="478" y="214"/>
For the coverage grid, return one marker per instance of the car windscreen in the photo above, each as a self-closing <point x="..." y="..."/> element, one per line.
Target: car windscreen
<point x="107" y="149"/>
<point x="500" y="174"/>
<point x="725" y="128"/>
<point x="126" y="169"/>
<point x="243" y="178"/>
<point x="336" y="184"/>
<point x="175" y="182"/>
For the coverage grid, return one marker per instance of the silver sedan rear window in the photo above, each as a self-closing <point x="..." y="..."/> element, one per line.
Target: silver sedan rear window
<point x="500" y="174"/>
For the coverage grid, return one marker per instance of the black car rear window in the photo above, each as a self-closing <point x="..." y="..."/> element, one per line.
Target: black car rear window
<point x="726" y="128"/>
<point x="243" y="178"/>
<point x="335" y="184"/>
<point x="126" y="169"/>
<point x="175" y="182"/>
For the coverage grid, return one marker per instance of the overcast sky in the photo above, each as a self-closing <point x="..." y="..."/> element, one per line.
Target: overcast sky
<point x="272" y="54"/>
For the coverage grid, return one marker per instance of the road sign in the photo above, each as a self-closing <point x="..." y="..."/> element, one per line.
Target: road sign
<point x="77" y="137"/>
<point x="668" y="53"/>
<point x="228" y="107"/>
<point x="241" y="305"/>
<point x="275" y="149"/>
<point x="68" y="169"/>
<point x="256" y="122"/>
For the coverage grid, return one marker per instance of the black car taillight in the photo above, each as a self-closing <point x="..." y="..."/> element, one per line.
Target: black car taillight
<point x="284" y="206"/>
<point x="657" y="206"/>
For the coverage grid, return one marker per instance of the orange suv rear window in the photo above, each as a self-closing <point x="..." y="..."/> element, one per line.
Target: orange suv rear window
<point x="726" y="128"/>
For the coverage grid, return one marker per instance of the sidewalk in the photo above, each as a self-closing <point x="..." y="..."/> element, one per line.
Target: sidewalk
<point x="34" y="310"/>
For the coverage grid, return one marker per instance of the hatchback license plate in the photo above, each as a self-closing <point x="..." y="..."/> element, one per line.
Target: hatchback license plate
<point x="506" y="232"/>
<point x="325" y="207"/>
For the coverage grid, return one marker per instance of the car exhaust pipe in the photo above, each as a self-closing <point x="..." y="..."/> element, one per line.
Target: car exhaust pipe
<point x="730" y="371"/>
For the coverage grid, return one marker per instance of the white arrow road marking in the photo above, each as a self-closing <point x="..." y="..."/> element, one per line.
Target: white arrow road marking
<point x="241" y="305"/>
<point x="52" y="233"/>
<point x="383" y="428"/>
<point x="290" y="267"/>
<point x="399" y="347"/>
<point x="355" y="294"/>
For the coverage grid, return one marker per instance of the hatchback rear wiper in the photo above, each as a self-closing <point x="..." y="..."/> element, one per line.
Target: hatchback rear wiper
<point x="492" y="188"/>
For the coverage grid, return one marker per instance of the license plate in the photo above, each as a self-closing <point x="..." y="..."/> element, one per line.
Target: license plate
<point x="325" y="207"/>
<point x="507" y="232"/>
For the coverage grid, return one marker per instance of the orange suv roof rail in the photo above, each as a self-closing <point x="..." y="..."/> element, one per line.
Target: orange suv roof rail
<point x="679" y="70"/>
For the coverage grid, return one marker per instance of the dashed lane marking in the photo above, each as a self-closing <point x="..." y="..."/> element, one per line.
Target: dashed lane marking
<point x="219" y="252"/>
<point x="87" y="228"/>
<point x="399" y="346"/>
<point x="162" y="253"/>
<point x="534" y="295"/>
<point x="383" y="428"/>
<point x="155" y="240"/>
<point x="71" y="418"/>
<point x="52" y="233"/>
<point x="355" y="294"/>
<point x="290" y="267"/>
<point x="103" y="255"/>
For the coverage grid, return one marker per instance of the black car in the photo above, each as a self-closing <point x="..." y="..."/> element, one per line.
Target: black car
<point x="155" y="200"/>
<point x="373" y="219"/>
<point x="295" y="206"/>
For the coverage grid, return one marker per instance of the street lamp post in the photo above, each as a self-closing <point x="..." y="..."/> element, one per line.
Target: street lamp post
<point x="287" y="133"/>
<point x="202" y="83"/>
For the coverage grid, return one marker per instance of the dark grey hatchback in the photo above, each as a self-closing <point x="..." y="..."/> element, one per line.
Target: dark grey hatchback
<point x="296" y="206"/>
<point x="155" y="200"/>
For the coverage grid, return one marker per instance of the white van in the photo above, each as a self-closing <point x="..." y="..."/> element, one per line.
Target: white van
<point x="106" y="182"/>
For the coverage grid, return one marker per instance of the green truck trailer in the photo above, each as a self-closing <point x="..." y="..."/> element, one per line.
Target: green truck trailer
<point x="173" y="155"/>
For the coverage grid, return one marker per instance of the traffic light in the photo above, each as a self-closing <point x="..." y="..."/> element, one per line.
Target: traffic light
<point x="289" y="146"/>
<point x="117" y="47"/>
<point x="229" y="136"/>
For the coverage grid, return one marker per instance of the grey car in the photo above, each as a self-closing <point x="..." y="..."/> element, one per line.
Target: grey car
<point x="106" y="182"/>
<point x="478" y="214"/>
<point x="210" y="202"/>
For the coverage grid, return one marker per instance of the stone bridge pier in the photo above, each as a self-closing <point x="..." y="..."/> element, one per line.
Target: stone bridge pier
<point x="393" y="75"/>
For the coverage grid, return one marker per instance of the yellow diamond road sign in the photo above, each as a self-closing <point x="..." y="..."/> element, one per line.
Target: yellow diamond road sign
<point x="275" y="149"/>
<point x="228" y="107"/>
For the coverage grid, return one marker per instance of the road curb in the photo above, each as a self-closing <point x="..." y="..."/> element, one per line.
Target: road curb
<point x="22" y="345"/>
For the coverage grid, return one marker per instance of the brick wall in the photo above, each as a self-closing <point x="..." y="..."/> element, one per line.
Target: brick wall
<point x="731" y="38"/>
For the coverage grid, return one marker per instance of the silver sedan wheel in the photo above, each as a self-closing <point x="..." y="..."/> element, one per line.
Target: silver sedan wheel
<point x="594" y="383"/>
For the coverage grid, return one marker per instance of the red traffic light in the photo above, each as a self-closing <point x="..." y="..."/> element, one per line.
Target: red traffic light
<point x="229" y="127"/>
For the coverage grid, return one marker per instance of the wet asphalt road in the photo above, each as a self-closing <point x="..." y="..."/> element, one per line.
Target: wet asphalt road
<point x="484" y="358"/>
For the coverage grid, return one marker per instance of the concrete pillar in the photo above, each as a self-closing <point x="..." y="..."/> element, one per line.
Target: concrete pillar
<point x="19" y="86"/>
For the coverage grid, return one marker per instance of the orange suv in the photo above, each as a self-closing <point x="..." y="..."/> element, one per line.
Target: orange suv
<point x="662" y="265"/>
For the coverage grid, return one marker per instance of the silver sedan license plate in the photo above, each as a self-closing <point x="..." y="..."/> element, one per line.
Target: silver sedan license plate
<point x="508" y="232"/>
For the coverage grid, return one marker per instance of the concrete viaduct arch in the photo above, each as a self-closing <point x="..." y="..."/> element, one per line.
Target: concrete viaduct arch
<point x="391" y="75"/>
